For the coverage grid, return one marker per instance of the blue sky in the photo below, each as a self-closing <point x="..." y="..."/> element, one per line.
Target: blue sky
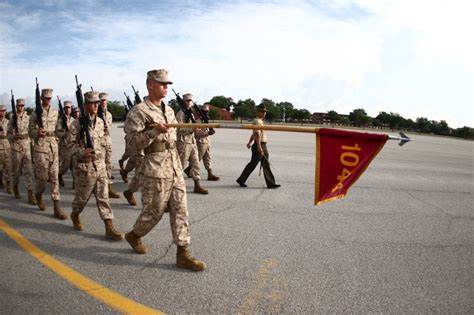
<point x="414" y="58"/>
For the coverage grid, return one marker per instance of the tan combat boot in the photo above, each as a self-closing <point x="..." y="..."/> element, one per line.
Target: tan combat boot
<point x="8" y="187"/>
<point x="31" y="198"/>
<point x="76" y="222"/>
<point x="187" y="171"/>
<point x="130" y="198"/>
<point x="113" y="194"/>
<point x="198" y="189"/>
<point x="211" y="176"/>
<point x="110" y="232"/>
<point x="184" y="260"/>
<point x="60" y="180"/>
<point x="40" y="202"/>
<point x="16" y="192"/>
<point x="58" y="212"/>
<point x="134" y="240"/>
<point x="124" y="174"/>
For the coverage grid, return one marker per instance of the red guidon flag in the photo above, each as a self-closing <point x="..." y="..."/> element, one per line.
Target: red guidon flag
<point x="341" y="157"/>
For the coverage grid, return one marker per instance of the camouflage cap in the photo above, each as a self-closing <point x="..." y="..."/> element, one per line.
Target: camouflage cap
<point x="103" y="96"/>
<point x="20" y="101"/>
<point x="187" y="96"/>
<point x="67" y="104"/>
<point x="160" y="75"/>
<point x="205" y="107"/>
<point x="47" y="93"/>
<point x="76" y="109"/>
<point x="91" y="97"/>
<point x="262" y="108"/>
<point x="2" y="108"/>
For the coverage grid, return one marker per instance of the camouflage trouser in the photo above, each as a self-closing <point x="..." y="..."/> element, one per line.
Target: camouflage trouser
<point x="157" y="195"/>
<point x="46" y="167"/>
<point x="189" y="152"/>
<point x="21" y="162"/>
<point x="108" y="161"/>
<point x="89" y="181"/>
<point x="134" y="161"/>
<point x="6" y="164"/>
<point x="205" y="154"/>
<point x="65" y="160"/>
<point x="135" y="183"/>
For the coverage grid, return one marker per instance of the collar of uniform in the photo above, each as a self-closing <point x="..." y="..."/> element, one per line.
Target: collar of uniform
<point x="151" y="105"/>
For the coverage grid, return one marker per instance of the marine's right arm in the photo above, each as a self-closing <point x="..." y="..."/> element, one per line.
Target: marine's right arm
<point x="139" y="135"/>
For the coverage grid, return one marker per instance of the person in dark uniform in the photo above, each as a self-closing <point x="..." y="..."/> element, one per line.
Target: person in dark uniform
<point x="259" y="153"/>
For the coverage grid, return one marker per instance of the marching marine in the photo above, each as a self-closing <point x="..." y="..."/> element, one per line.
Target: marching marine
<point x="21" y="151"/>
<point x="45" y="152"/>
<point x="62" y="131"/>
<point x="107" y="116"/>
<point x="187" y="148"/>
<point x="162" y="180"/>
<point x="204" y="146"/>
<point x="5" y="152"/>
<point x="91" y="176"/>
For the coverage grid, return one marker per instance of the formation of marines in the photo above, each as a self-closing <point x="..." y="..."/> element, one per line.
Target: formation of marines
<point x="158" y="154"/>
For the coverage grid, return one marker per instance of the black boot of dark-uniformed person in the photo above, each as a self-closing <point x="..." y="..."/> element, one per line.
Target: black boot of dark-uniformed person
<point x="198" y="189"/>
<point x="184" y="260"/>
<point x="211" y="176"/>
<point x="16" y="193"/>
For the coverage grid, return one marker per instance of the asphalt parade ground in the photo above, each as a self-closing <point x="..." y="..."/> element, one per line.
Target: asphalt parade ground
<point x="402" y="241"/>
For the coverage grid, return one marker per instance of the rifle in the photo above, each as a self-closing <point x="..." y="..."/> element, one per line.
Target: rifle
<point x="84" y="120"/>
<point x="204" y="117"/>
<point x="62" y="114"/>
<point x="129" y="101"/>
<point x="14" y="116"/>
<point x="125" y="107"/>
<point x="138" y="99"/>
<point x="188" y="113"/>
<point x="38" y="107"/>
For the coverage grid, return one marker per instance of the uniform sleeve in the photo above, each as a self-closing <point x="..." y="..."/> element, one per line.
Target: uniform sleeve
<point x="140" y="136"/>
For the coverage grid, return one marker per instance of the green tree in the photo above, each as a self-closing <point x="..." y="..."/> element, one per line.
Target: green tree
<point x="300" y="115"/>
<point x="422" y="124"/>
<point x="173" y="103"/>
<point x="117" y="110"/>
<point x="213" y="114"/>
<point x="285" y="110"/>
<point x="244" y="109"/>
<point x="333" y="116"/>
<point x="222" y="102"/>
<point x="359" y="117"/>
<point x="464" y="132"/>
<point x="273" y="111"/>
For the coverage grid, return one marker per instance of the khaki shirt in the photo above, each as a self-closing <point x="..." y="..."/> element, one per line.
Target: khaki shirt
<point x="23" y="123"/>
<point x="76" y="144"/>
<point x="4" y="143"/>
<point x="184" y="134"/>
<point x="262" y="133"/>
<point x="50" y="142"/>
<point x="202" y="135"/>
<point x="165" y="164"/>
<point x="61" y="132"/>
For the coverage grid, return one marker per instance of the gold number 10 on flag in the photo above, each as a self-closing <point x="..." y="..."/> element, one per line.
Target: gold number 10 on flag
<point x="348" y="158"/>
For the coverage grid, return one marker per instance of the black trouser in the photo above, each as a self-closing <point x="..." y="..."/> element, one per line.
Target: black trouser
<point x="256" y="158"/>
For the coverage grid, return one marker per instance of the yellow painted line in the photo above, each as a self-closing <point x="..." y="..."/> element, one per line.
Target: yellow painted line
<point x="87" y="285"/>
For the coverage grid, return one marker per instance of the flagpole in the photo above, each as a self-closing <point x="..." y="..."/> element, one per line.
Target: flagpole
<point x="402" y="138"/>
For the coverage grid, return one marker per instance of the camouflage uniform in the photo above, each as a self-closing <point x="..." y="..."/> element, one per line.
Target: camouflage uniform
<point x="5" y="153"/>
<point x="91" y="176"/>
<point x="65" y="155"/>
<point x="45" y="152"/>
<point x="187" y="148"/>
<point x="108" y="145"/>
<point x="21" y="151"/>
<point x="162" y="175"/>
